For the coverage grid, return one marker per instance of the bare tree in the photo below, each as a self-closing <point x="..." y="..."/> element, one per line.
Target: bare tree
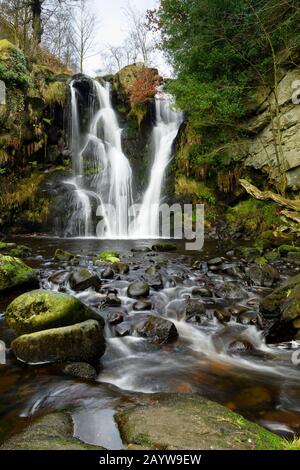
<point x="139" y="35"/>
<point x="84" y="31"/>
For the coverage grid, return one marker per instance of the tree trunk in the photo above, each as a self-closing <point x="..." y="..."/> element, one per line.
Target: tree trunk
<point x="36" y="9"/>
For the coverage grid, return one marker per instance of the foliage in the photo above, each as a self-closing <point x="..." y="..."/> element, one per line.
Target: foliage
<point x="195" y="189"/>
<point x="55" y="93"/>
<point x="252" y="216"/>
<point x="13" y="67"/>
<point x="144" y="87"/>
<point x="222" y="52"/>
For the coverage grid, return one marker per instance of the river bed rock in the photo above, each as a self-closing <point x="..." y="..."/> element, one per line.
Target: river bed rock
<point x="138" y="289"/>
<point x="157" y="330"/>
<point x="81" y="279"/>
<point x="81" y="342"/>
<point x="81" y="370"/>
<point x="41" y="310"/>
<point x="14" y="273"/>
<point x="51" y="432"/>
<point x="176" y="422"/>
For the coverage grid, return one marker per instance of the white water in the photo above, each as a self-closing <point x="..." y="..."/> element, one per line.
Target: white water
<point x="103" y="176"/>
<point x="164" y="134"/>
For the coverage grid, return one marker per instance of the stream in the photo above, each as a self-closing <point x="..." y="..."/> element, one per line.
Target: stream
<point x="259" y="381"/>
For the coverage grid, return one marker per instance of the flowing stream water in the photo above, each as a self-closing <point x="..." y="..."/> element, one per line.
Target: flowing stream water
<point x="103" y="176"/>
<point x="260" y="382"/>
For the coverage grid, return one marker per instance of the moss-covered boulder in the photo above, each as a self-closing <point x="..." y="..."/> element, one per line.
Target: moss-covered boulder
<point x="61" y="255"/>
<point x="51" y="432"/>
<point x="16" y="274"/>
<point x="275" y="304"/>
<point x="182" y="422"/>
<point x="81" y="342"/>
<point x="108" y="257"/>
<point x="40" y="310"/>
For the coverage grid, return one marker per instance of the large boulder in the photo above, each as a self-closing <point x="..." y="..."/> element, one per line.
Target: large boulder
<point x="82" y="279"/>
<point x="51" y="432"/>
<point x="81" y="342"/>
<point x="40" y="310"/>
<point x="16" y="274"/>
<point x="157" y="330"/>
<point x="186" y="422"/>
<point x="138" y="289"/>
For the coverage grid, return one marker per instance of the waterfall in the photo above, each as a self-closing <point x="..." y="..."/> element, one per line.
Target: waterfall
<point x="102" y="173"/>
<point x="164" y="133"/>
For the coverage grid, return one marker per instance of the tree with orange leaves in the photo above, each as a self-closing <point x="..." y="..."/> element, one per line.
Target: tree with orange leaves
<point x="145" y="86"/>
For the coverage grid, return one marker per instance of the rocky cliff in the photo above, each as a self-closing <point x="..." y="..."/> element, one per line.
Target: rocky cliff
<point x="260" y="152"/>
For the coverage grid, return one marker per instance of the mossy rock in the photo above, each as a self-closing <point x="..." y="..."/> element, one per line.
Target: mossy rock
<point x="280" y="301"/>
<point x="82" y="279"/>
<point x="40" y="310"/>
<point x="108" y="257"/>
<point x="50" y="432"/>
<point x="16" y="274"/>
<point x="61" y="255"/>
<point x="188" y="422"/>
<point x="285" y="249"/>
<point x="164" y="247"/>
<point x="81" y="342"/>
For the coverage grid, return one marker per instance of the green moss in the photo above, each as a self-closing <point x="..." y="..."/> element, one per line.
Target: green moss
<point x="108" y="256"/>
<point x="41" y="310"/>
<point x="133" y="127"/>
<point x="196" y="190"/>
<point x="55" y="93"/>
<point x="252" y="216"/>
<point x="61" y="255"/>
<point x="14" y="273"/>
<point x="285" y="249"/>
<point x="13" y="67"/>
<point x="191" y="422"/>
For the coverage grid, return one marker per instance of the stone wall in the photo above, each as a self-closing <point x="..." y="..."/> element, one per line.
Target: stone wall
<point x="260" y="153"/>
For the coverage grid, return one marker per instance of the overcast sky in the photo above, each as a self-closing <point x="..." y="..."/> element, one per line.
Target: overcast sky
<point x="112" y="28"/>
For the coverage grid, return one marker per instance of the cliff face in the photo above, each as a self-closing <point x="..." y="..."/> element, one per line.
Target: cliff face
<point x="32" y="137"/>
<point x="260" y="151"/>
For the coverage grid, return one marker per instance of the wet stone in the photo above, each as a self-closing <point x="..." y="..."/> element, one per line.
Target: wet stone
<point x="123" y="329"/>
<point x="138" y="289"/>
<point x="115" y="318"/>
<point x="157" y="330"/>
<point x="107" y="273"/>
<point x="81" y="370"/>
<point x="250" y="317"/>
<point x="82" y="279"/>
<point x="222" y="315"/>
<point x="240" y="347"/>
<point x="215" y="262"/>
<point x="141" y="305"/>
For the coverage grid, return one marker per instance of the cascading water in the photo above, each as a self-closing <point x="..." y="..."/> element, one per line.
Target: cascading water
<point x="103" y="176"/>
<point x="165" y="131"/>
<point x="102" y="172"/>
